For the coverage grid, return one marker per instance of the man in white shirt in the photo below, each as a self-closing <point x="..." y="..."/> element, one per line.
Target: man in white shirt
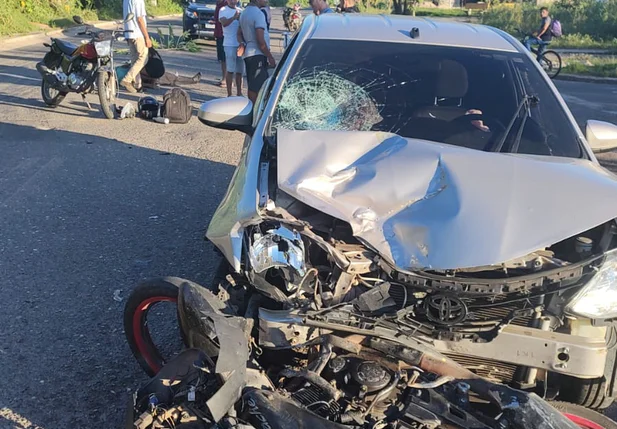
<point x="255" y="46"/>
<point x="136" y="34"/>
<point x="229" y="16"/>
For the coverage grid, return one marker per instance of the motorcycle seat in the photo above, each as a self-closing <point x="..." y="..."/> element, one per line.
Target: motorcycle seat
<point x="66" y="47"/>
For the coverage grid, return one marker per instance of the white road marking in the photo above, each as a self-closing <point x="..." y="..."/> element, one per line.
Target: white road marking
<point x="20" y="77"/>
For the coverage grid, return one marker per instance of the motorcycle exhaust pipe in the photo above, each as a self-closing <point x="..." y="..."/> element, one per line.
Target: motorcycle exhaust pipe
<point x="49" y="76"/>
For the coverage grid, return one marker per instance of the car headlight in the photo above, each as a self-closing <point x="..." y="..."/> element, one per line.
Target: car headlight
<point x="279" y="248"/>
<point x="598" y="298"/>
<point x="191" y="14"/>
<point x="103" y="49"/>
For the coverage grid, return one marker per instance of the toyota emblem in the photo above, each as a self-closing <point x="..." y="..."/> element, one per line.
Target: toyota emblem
<point x="445" y="309"/>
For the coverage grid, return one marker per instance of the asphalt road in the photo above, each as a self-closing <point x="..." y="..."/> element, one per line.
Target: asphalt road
<point x="89" y="207"/>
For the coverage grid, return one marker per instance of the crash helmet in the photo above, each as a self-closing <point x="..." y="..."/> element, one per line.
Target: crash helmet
<point x="148" y="107"/>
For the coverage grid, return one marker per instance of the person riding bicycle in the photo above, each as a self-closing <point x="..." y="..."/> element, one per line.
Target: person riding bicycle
<point x="543" y="36"/>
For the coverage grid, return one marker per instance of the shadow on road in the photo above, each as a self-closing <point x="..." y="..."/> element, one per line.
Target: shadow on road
<point x="84" y="218"/>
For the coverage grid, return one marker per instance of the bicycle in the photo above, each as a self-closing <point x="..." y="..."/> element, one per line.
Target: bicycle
<point x="550" y="61"/>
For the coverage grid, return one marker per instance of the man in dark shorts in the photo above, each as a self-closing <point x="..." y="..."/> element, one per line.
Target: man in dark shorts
<point x="254" y="46"/>
<point x="218" y="35"/>
<point x="543" y="36"/>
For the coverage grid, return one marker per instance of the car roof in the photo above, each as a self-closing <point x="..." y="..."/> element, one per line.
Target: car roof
<point x="396" y="28"/>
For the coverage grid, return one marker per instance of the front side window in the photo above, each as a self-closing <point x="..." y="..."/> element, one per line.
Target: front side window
<point x="458" y="96"/>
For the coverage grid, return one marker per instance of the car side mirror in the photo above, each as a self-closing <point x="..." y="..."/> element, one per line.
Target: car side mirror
<point x="231" y="113"/>
<point x="129" y="17"/>
<point x="78" y="19"/>
<point x="601" y="135"/>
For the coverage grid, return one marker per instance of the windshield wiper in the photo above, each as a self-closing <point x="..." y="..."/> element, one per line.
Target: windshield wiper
<point x="528" y="101"/>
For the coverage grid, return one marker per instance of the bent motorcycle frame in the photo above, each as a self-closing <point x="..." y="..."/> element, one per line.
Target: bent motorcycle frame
<point x="207" y="318"/>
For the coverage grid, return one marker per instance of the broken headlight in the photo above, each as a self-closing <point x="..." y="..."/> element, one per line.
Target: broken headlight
<point x="279" y="248"/>
<point x="598" y="298"/>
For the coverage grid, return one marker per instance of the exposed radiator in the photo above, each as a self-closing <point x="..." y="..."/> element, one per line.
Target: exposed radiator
<point x="494" y="370"/>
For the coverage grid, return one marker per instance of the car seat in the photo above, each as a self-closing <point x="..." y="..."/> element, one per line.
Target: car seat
<point x="450" y="89"/>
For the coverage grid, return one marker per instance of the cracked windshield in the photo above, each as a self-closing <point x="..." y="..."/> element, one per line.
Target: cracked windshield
<point x="465" y="97"/>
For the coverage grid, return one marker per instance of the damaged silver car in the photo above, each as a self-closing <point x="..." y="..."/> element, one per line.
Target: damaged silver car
<point x="425" y="179"/>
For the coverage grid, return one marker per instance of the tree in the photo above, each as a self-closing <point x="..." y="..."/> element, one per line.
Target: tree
<point x="402" y="7"/>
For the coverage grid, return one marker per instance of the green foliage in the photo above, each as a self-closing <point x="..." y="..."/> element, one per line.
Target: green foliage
<point x="593" y="18"/>
<point x="170" y="41"/>
<point x="165" y="7"/>
<point x="21" y="16"/>
<point x="439" y="12"/>
<point x="12" y="21"/>
<point x="583" y="41"/>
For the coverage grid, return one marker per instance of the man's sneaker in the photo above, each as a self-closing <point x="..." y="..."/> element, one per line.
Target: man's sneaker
<point x="128" y="85"/>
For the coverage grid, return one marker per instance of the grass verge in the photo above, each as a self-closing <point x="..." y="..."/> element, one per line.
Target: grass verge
<point x="26" y="16"/>
<point x="583" y="41"/>
<point x="445" y="13"/>
<point x="589" y="65"/>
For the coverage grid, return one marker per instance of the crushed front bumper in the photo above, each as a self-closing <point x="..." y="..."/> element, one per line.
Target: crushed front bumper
<point x="582" y="357"/>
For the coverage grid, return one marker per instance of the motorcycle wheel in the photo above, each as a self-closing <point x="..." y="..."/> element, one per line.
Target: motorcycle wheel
<point x="106" y="84"/>
<point x="584" y="417"/>
<point x="141" y="301"/>
<point x="52" y="97"/>
<point x="145" y="296"/>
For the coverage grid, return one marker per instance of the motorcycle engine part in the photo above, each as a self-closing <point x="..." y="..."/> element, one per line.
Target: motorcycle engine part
<point x="278" y="329"/>
<point x="75" y="80"/>
<point x="370" y="374"/>
<point x="148" y="107"/>
<point x="428" y="406"/>
<point x="264" y="409"/>
<point x="337" y="364"/>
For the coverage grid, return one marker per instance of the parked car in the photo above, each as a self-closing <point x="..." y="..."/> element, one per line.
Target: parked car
<point x="198" y="19"/>
<point x="438" y="157"/>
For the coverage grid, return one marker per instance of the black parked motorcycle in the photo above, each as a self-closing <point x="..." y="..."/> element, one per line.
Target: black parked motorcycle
<point x="82" y="69"/>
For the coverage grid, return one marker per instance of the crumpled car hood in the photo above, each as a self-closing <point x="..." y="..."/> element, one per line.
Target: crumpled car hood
<point x="424" y="205"/>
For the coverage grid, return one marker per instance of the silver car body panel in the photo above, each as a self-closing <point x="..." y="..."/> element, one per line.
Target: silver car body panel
<point x="425" y="205"/>
<point x="240" y="206"/>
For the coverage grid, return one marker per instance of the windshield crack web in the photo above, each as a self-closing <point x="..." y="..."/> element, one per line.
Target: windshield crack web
<point x="331" y="98"/>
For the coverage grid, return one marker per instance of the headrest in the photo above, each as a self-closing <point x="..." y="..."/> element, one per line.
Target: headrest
<point x="452" y="80"/>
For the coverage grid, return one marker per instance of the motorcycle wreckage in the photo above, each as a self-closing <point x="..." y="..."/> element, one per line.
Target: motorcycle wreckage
<point x="82" y="69"/>
<point x="299" y="376"/>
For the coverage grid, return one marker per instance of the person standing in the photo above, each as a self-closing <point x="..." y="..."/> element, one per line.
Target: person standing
<point x="219" y="37"/>
<point x="230" y="20"/>
<point x="136" y="34"/>
<point x="348" y="6"/>
<point x="543" y="36"/>
<point x="320" y="7"/>
<point x="254" y="40"/>
<point x="268" y="14"/>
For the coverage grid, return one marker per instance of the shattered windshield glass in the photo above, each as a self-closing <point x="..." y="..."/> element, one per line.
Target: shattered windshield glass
<point x="458" y="96"/>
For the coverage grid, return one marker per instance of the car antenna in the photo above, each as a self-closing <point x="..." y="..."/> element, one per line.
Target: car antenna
<point x="414" y="33"/>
